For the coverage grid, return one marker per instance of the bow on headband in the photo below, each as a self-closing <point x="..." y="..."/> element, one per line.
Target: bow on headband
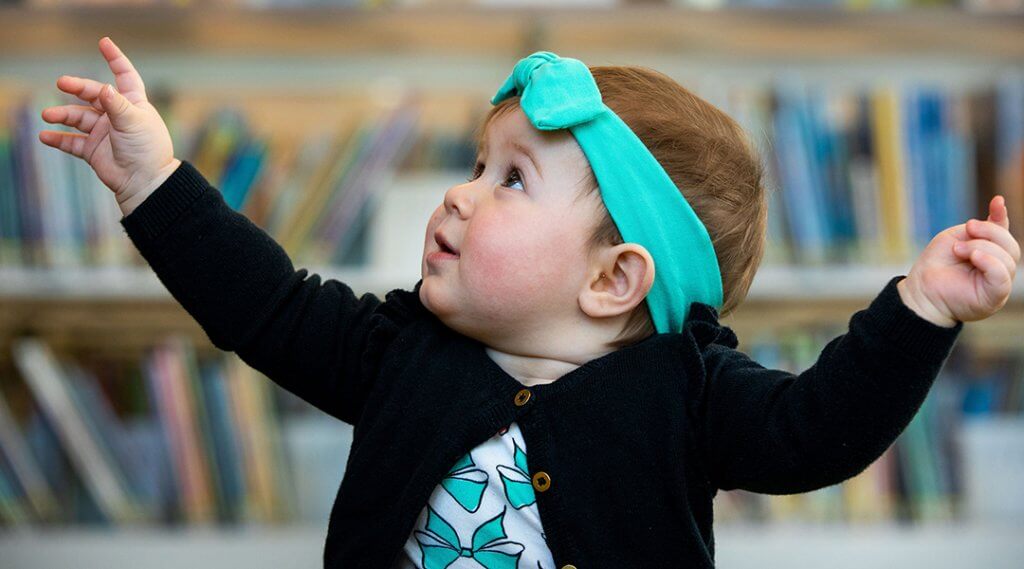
<point x="647" y="208"/>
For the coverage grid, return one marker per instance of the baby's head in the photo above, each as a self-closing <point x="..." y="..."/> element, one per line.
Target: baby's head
<point x="541" y="264"/>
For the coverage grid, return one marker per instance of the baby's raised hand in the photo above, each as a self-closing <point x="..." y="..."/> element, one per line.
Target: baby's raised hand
<point x="966" y="272"/>
<point x="123" y="138"/>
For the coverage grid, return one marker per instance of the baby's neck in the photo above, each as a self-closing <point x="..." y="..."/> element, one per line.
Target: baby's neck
<point x="532" y="370"/>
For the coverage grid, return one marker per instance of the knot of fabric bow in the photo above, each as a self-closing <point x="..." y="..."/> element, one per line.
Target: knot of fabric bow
<point x="555" y="92"/>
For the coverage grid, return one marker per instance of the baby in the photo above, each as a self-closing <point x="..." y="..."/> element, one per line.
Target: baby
<point x="556" y="391"/>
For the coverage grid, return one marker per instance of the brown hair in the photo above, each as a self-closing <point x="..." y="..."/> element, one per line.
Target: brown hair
<point x="707" y="155"/>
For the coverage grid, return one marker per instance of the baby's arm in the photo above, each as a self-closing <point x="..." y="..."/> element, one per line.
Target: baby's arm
<point x="316" y="340"/>
<point x="774" y="432"/>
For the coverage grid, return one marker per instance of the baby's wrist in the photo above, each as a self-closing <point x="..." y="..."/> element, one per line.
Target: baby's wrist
<point x="135" y="198"/>
<point x="915" y="301"/>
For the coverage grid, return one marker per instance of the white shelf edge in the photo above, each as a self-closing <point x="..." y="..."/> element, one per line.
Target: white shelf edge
<point x="772" y="282"/>
<point x="794" y="546"/>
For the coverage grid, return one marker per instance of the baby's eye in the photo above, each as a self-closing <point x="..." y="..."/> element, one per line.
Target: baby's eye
<point x="478" y="169"/>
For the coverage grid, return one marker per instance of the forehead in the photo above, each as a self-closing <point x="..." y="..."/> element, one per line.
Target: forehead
<point x="513" y="128"/>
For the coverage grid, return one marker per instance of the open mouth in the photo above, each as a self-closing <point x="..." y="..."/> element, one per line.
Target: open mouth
<point x="445" y="252"/>
<point x="444" y="245"/>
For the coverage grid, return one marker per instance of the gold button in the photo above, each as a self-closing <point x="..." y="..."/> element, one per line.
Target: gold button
<point x="568" y="567"/>
<point x="522" y="397"/>
<point x="541" y="481"/>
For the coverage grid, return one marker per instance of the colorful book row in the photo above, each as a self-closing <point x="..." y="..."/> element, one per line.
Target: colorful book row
<point x="854" y="175"/>
<point x="179" y="439"/>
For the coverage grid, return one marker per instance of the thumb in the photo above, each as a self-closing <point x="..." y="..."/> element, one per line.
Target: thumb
<point x="117" y="107"/>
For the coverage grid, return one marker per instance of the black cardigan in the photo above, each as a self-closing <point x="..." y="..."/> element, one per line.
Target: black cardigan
<point x="635" y="443"/>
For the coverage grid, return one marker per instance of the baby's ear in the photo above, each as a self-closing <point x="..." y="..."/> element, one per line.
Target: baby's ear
<point x="618" y="281"/>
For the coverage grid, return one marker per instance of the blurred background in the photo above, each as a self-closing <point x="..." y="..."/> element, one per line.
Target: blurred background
<point x="127" y="439"/>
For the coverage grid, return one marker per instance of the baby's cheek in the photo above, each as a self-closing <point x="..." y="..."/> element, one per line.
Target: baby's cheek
<point x="513" y="276"/>
<point x="493" y="265"/>
<point x="500" y="270"/>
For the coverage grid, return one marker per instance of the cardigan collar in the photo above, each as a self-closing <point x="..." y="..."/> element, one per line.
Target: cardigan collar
<point x="701" y="321"/>
<point x="403" y="306"/>
<point x="701" y="325"/>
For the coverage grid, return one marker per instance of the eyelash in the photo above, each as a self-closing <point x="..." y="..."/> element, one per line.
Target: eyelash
<point x="477" y="170"/>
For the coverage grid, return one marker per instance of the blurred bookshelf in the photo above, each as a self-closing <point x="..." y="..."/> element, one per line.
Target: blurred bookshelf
<point x="338" y="128"/>
<point x="807" y="31"/>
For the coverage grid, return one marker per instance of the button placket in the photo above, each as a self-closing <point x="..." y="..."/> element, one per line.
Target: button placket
<point x="541" y="480"/>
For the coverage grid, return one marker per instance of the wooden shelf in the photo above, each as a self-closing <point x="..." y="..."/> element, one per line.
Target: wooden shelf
<point x="512" y="32"/>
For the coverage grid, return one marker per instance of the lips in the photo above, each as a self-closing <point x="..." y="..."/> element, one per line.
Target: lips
<point x="445" y="245"/>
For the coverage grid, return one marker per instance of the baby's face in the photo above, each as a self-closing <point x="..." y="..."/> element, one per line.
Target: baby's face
<point x="519" y="235"/>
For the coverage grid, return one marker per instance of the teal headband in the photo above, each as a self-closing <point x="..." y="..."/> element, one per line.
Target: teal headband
<point x="558" y="93"/>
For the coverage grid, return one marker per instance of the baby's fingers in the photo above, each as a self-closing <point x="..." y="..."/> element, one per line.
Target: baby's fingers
<point x="993" y="271"/>
<point x="78" y="116"/>
<point x="87" y="90"/>
<point x="995" y="232"/>
<point x="998" y="213"/>
<point x="70" y="142"/>
<point x="129" y="82"/>
<point x="964" y="249"/>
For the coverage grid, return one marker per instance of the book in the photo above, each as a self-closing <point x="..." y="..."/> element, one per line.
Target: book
<point x="94" y="464"/>
<point x="23" y="470"/>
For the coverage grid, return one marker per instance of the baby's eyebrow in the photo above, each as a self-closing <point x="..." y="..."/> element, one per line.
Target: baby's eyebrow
<point x="529" y="154"/>
<point x="518" y="146"/>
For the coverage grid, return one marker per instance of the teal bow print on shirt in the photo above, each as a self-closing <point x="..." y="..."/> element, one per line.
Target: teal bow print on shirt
<point x="440" y="545"/>
<point x="516" y="481"/>
<point x="466" y="484"/>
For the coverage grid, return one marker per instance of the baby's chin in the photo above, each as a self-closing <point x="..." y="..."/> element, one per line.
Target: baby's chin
<point x="448" y="309"/>
<point x="437" y="301"/>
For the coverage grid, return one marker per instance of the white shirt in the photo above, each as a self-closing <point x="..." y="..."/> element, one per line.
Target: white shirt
<point x="483" y="514"/>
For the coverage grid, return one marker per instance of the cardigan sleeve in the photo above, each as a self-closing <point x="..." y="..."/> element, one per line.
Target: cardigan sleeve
<point x="316" y="339"/>
<point x="774" y="432"/>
